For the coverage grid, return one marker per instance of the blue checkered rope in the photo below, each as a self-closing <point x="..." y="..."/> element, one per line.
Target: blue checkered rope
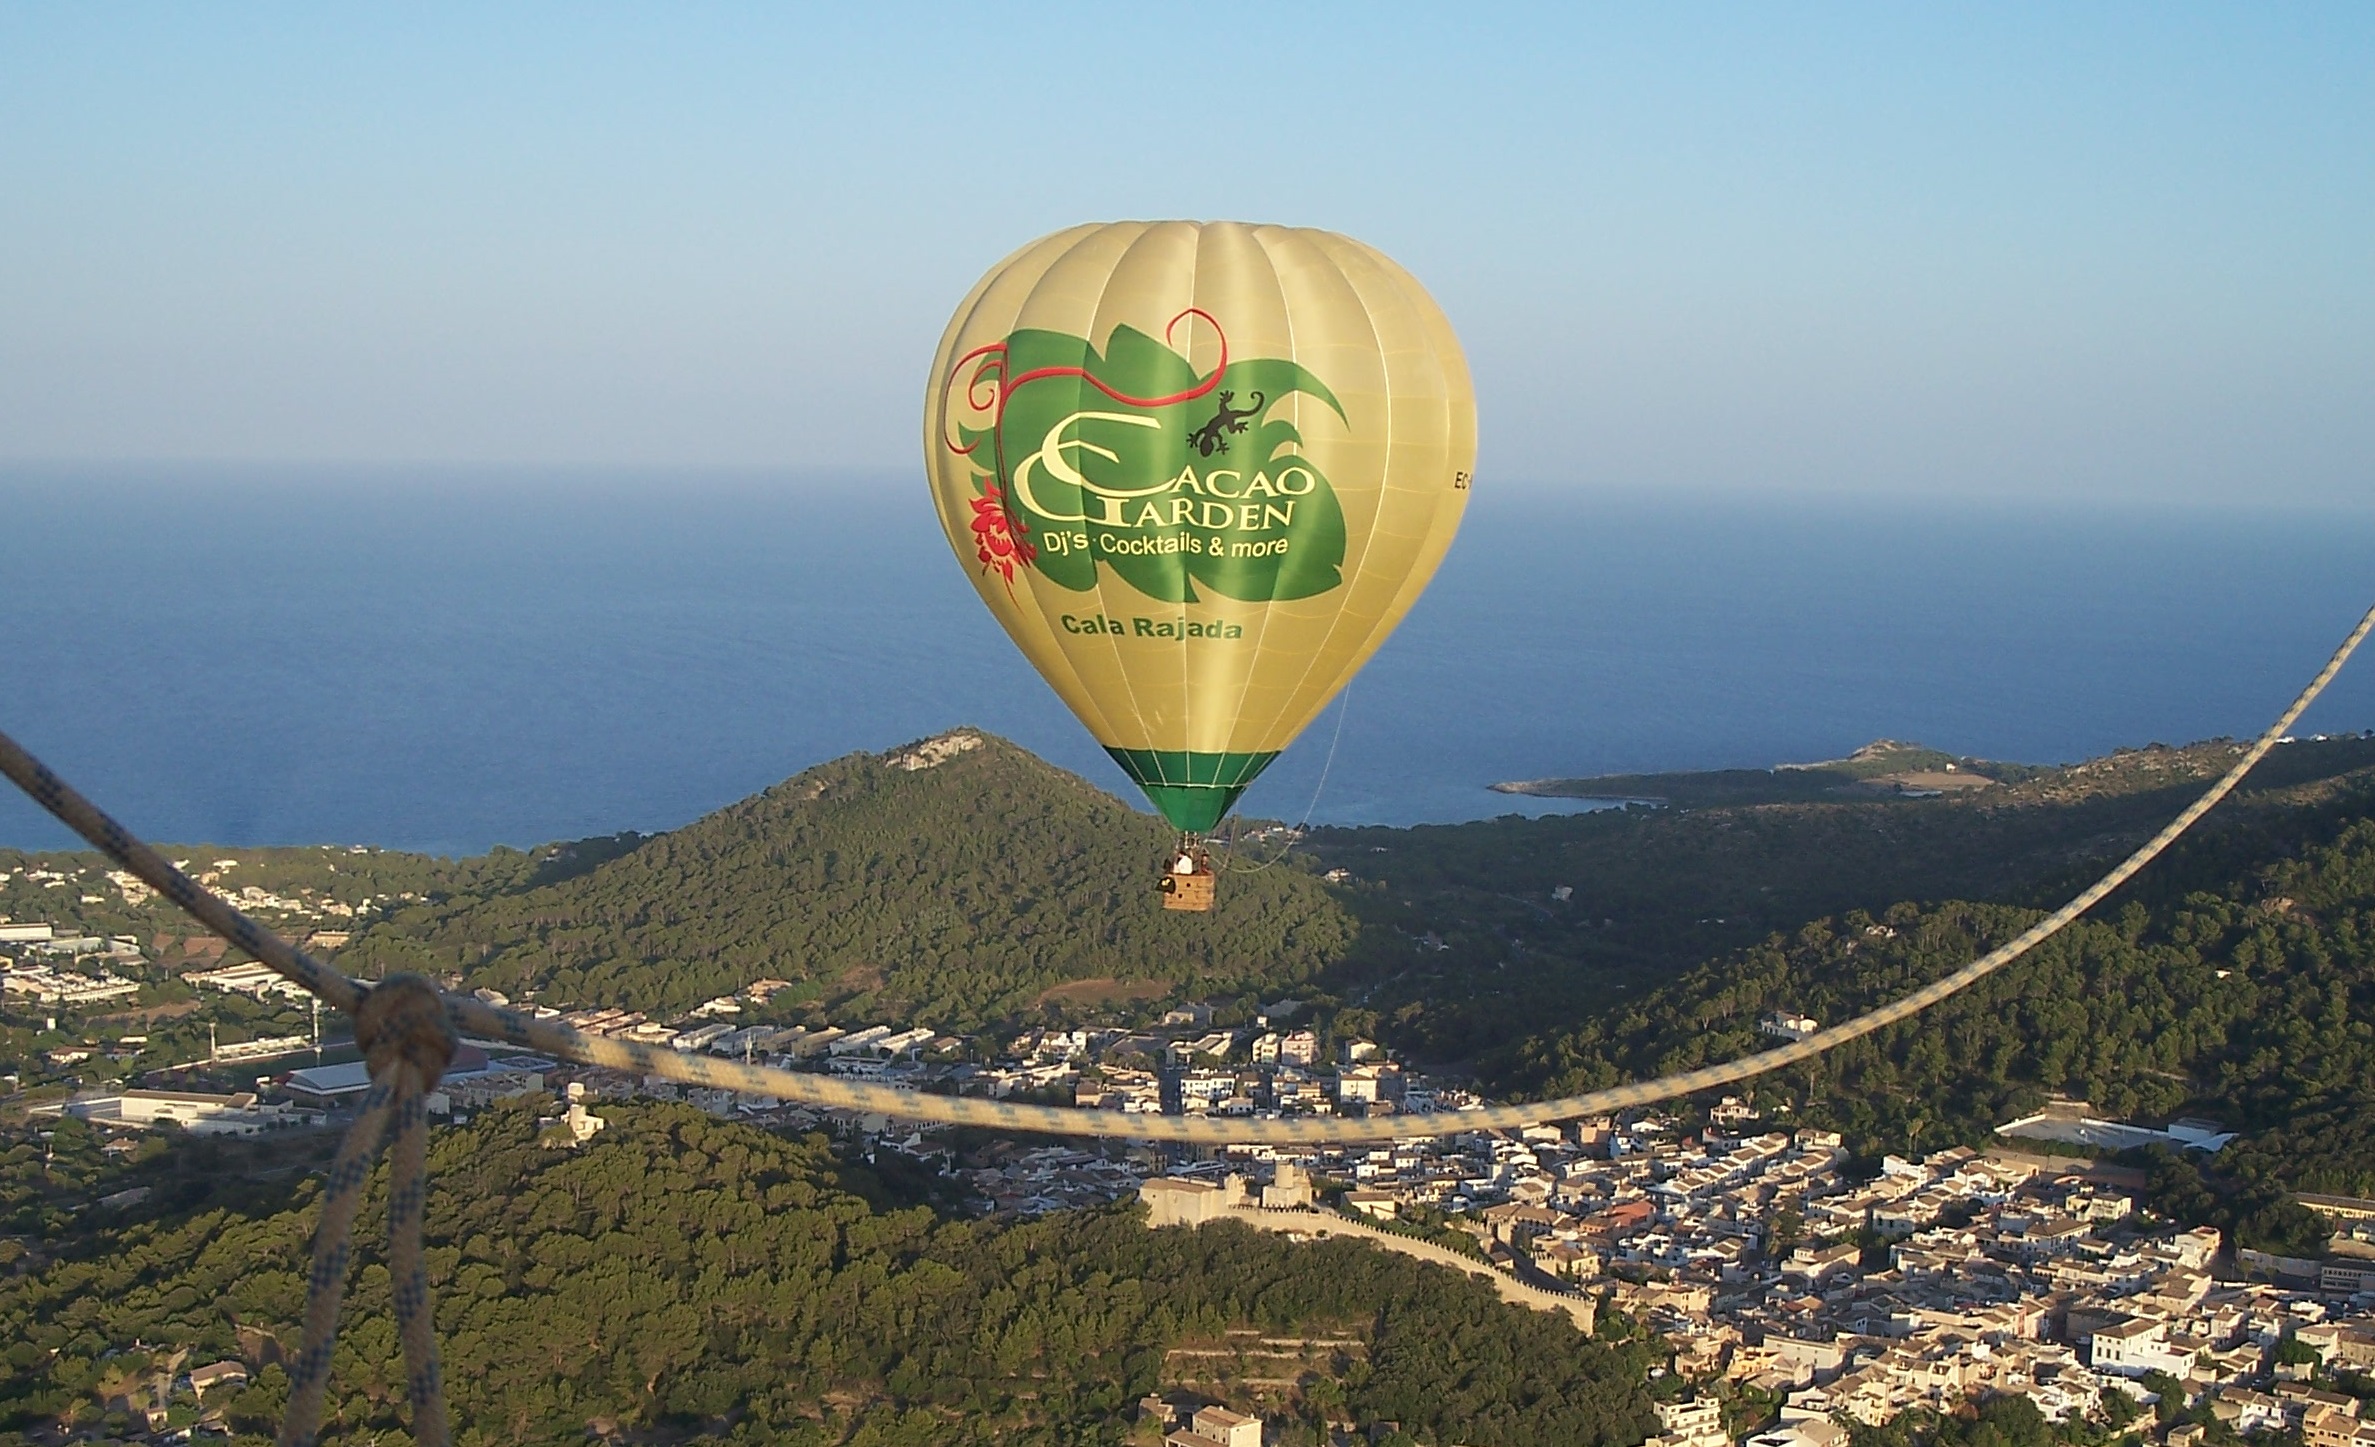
<point x="406" y="1040"/>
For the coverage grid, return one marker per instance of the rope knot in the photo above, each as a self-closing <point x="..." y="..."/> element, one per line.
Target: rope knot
<point x="402" y="1019"/>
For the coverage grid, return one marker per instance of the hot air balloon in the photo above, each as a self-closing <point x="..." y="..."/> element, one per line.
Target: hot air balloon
<point x="1198" y="471"/>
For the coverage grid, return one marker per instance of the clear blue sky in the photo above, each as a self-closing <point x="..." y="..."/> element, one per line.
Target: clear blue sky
<point x="2115" y="251"/>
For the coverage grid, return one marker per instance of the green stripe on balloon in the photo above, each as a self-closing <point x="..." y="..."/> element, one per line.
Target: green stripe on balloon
<point x="1192" y="790"/>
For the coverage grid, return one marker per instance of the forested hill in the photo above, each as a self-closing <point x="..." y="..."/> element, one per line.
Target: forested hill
<point x="955" y="881"/>
<point x="1539" y="923"/>
<point x="685" y="1279"/>
<point x="2234" y="980"/>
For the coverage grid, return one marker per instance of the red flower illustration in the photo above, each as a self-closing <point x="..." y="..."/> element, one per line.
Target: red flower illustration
<point x="1000" y="539"/>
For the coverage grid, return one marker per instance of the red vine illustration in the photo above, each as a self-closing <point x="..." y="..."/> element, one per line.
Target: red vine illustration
<point x="1002" y="539"/>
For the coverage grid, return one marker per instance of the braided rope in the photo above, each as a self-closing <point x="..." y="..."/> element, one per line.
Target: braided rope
<point x="325" y="1287"/>
<point x="406" y="1028"/>
<point x="560" y="1041"/>
<point x="401" y="1025"/>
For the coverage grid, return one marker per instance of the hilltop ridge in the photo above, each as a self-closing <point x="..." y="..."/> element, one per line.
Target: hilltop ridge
<point x="961" y="883"/>
<point x="957" y="878"/>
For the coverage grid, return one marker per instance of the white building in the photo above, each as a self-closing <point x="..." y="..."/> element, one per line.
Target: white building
<point x="1690" y="1424"/>
<point x="700" y="1035"/>
<point x="904" y="1042"/>
<point x="196" y="1113"/>
<point x="51" y="987"/>
<point x="1804" y="1432"/>
<point x="252" y="979"/>
<point x="863" y="1041"/>
<point x="2135" y="1347"/>
<point x="329" y="1084"/>
<point x="1218" y="1427"/>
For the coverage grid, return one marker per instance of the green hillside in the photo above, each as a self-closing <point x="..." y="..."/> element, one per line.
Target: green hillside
<point x="681" y="1278"/>
<point x="2232" y="981"/>
<point x="992" y="888"/>
<point x="1468" y="947"/>
<point x="956" y="885"/>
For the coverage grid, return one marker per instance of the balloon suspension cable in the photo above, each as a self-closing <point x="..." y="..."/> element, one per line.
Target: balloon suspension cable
<point x="1188" y="855"/>
<point x="1187" y="878"/>
<point x="1295" y="836"/>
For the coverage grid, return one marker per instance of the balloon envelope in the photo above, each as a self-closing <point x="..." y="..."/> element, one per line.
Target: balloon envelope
<point x="1199" y="471"/>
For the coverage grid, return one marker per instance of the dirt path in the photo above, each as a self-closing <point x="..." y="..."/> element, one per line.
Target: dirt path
<point x="1507" y="1287"/>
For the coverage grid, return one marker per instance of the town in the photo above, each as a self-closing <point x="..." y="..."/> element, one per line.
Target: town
<point x="1765" y="1264"/>
<point x="1766" y="1267"/>
<point x="1774" y="1267"/>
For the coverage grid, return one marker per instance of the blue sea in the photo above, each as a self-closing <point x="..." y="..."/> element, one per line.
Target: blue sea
<point x="444" y="660"/>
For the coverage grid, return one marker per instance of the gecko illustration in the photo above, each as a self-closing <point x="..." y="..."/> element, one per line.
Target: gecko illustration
<point x="1213" y="435"/>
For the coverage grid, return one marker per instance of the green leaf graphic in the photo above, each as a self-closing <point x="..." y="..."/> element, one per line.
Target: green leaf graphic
<point x="1207" y="492"/>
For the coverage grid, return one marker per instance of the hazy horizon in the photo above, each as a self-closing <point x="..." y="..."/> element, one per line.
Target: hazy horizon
<point x="446" y="664"/>
<point x="907" y="487"/>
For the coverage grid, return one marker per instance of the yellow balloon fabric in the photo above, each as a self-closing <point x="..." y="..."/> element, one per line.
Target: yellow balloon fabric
<point x="1199" y="471"/>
